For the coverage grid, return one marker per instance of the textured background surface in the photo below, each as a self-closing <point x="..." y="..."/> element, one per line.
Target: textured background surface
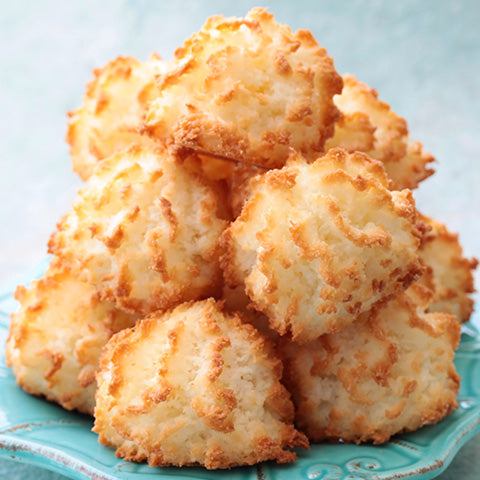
<point x="423" y="57"/>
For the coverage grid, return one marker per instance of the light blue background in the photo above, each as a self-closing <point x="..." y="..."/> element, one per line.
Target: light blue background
<point x="422" y="56"/>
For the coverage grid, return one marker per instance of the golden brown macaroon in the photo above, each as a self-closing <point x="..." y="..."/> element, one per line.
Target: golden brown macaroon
<point x="247" y="88"/>
<point x="112" y="110"/>
<point x="449" y="273"/>
<point x="194" y="386"/>
<point x="369" y="125"/>
<point x="144" y="231"/>
<point x="316" y="245"/>
<point x="57" y="336"/>
<point x="389" y="372"/>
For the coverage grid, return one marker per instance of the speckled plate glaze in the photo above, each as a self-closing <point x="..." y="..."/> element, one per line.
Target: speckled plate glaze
<point x="37" y="432"/>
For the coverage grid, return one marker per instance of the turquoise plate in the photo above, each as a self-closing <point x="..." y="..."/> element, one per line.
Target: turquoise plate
<point x="37" y="432"/>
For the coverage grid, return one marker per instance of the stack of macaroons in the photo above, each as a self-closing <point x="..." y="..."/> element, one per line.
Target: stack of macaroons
<point x="245" y="269"/>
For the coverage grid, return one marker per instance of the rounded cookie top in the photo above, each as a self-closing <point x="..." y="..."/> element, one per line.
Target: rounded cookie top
<point x="111" y="112"/>
<point x="144" y="231"/>
<point x="194" y="386"/>
<point x="389" y="372"/>
<point x="247" y="88"/>
<point x="317" y="244"/>
<point x="368" y="124"/>
<point x="57" y="335"/>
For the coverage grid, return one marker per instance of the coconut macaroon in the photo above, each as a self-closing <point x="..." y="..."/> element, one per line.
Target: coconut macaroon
<point x="369" y="125"/>
<point x="194" y="386"/>
<point x="144" y="231"/>
<point x="316" y="245"/>
<point x="391" y="371"/>
<point x="449" y="273"/>
<point x="112" y="110"/>
<point x="247" y="88"/>
<point x="57" y="335"/>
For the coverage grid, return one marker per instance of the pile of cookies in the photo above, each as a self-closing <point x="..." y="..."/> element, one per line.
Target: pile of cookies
<point x="245" y="270"/>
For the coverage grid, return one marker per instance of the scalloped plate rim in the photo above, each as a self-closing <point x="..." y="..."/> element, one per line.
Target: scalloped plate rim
<point x="50" y="458"/>
<point x="35" y="453"/>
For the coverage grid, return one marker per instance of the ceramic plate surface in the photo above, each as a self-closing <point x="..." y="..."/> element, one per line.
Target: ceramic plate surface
<point x="37" y="432"/>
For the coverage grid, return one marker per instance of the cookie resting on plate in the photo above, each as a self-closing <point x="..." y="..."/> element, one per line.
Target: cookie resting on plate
<point x="194" y="386"/>
<point x="57" y="335"/>
<point x="389" y="372"/>
<point x="144" y="231"/>
<point x="247" y="88"/>
<point x="318" y="244"/>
